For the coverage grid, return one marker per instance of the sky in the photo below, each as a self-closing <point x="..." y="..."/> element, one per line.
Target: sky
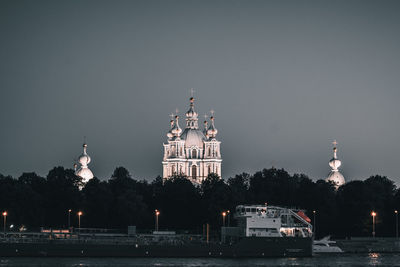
<point x="285" y="79"/>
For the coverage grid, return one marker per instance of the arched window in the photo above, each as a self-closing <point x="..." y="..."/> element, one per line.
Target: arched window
<point x="173" y="170"/>
<point x="194" y="172"/>
<point x="194" y="153"/>
<point x="209" y="169"/>
<point x="181" y="152"/>
<point x="209" y="151"/>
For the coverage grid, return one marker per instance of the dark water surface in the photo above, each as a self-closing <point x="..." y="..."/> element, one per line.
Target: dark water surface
<point x="372" y="259"/>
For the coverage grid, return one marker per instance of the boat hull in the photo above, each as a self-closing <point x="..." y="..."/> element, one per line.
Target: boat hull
<point x="246" y="247"/>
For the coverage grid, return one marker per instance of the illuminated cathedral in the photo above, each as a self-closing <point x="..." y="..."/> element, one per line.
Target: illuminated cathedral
<point x="192" y="152"/>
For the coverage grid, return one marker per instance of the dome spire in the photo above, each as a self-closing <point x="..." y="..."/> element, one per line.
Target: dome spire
<point x="334" y="162"/>
<point x="170" y="134"/>
<point x="334" y="149"/>
<point x="176" y="131"/>
<point x="212" y="131"/>
<point x="335" y="176"/>
<point x="84" y="172"/>
<point x="191" y="115"/>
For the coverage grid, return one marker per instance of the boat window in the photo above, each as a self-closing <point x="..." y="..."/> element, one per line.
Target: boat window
<point x="253" y="209"/>
<point x="247" y="209"/>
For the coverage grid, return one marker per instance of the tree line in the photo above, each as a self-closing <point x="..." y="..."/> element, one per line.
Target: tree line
<point x="35" y="201"/>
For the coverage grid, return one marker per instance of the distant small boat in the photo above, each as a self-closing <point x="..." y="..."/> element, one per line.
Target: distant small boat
<point x="325" y="245"/>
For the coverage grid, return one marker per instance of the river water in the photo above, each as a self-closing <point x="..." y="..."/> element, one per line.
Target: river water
<point x="372" y="259"/>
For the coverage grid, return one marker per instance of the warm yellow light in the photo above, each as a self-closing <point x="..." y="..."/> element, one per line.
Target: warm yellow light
<point x="5" y="213"/>
<point x="228" y="211"/>
<point x="395" y="211"/>
<point x="69" y="210"/>
<point x="80" y="213"/>
<point x="224" y="213"/>
<point x="314" y="211"/>
<point x="373" y="214"/>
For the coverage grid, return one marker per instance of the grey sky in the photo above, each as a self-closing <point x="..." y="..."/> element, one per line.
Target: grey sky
<point x="285" y="78"/>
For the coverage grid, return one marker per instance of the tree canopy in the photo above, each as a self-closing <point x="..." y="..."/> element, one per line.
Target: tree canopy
<point x="122" y="200"/>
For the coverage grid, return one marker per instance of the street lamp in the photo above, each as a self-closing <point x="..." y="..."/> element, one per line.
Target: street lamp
<point x="79" y="220"/>
<point x="373" y="214"/>
<point x="315" y="223"/>
<point x="5" y="222"/>
<point x="223" y="218"/>
<point x="69" y="218"/>
<point x="157" y="213"/>
<point x="397" y="223"/>
<point x="229" y="217"/>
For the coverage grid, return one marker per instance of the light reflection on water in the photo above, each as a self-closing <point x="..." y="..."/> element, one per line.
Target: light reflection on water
<point x="372" y="259"/>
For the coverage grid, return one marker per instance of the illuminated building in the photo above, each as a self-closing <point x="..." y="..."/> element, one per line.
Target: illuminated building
<point x="192" y="152"/>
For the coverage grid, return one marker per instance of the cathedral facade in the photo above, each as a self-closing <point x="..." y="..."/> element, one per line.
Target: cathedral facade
<point x="192" y="152"/>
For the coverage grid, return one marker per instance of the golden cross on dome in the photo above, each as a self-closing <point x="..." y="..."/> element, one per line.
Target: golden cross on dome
<point x="172" y="115"/>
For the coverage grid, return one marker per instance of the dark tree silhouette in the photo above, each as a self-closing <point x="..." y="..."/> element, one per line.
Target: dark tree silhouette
<point x="121" y="201"/>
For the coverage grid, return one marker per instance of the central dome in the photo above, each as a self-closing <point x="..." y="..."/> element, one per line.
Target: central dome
<point x="193" y="137"/>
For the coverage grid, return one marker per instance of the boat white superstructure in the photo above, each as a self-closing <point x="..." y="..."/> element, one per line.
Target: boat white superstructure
<point x="272" y="221"/>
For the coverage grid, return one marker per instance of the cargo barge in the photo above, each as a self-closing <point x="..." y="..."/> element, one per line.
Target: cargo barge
<point x="261" y="232"/>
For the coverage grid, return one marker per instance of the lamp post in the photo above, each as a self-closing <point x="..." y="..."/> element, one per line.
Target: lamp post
<point x="223" y="218"/>
<point x="315" y="223"/>
<point x="397" y="223"/>
<point x="373" y="214"/>
<point x="229" y="217"/>
<point x="69" y="218"/>
<point x="79" y="220"/>
<point x="157" y="213"/>
<point x="5" y="222"/>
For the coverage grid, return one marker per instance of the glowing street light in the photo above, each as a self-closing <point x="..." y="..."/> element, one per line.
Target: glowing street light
<point x="5" y="221"/>
<point x="397" y="223"/>
<point x="157" y="213"/>
<point x="223" y="218"/>
<point x="80" y="213"/>
<point x="315" y="223"/>
<point x="229" y="217"/>
<point x="69" y="218"/>
<point x="373" y="214"/>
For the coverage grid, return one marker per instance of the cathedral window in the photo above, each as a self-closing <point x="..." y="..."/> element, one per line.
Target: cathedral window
<point x="194" y="172"/>
<point x="194" y="153"/>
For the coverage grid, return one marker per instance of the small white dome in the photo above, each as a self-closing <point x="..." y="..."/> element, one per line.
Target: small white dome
<point x="212" y="131"/>
<point x="335" y="163"/>
<point x="193" y="137"/>
<point x="336" y="177"/>
<point x="85" y="173"/>
<point x="84" y="159"/>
